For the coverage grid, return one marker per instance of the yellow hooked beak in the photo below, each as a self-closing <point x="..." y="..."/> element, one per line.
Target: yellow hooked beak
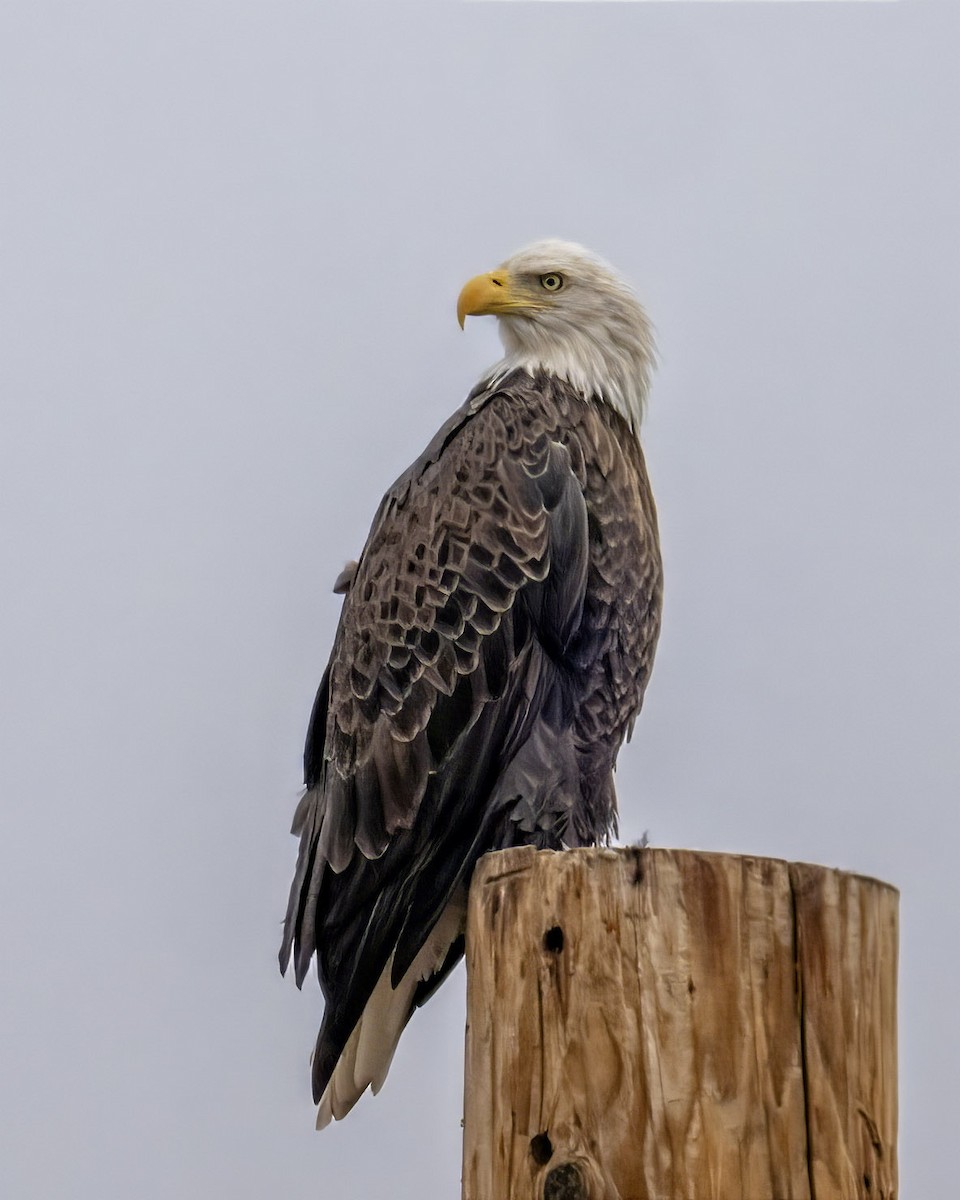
<point x="487" y="295"/>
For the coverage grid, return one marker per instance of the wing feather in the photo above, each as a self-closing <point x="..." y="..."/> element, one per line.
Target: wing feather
<point x="469" y="588"/>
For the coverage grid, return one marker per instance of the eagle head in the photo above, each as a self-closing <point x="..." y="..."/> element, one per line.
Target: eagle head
<point x="563" y="310"/>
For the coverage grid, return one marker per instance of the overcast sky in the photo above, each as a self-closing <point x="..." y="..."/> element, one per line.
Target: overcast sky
<point x="233" y="236"/>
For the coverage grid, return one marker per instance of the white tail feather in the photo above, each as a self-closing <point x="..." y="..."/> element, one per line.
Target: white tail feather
<point x="367" y="1056"/>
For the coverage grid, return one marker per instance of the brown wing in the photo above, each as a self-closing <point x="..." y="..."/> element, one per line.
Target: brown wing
<point x="470" y="585"/>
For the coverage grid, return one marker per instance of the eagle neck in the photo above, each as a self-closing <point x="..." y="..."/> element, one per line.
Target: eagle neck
<point x="614" y="367"/>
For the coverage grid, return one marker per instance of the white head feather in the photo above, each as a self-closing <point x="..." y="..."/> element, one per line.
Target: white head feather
<point x="591" y="332"/>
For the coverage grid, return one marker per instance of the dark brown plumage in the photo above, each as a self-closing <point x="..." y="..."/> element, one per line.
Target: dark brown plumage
<point x="492" y="654"/>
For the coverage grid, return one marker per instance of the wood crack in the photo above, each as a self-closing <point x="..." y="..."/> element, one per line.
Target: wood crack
<point x="801" y="1016"/>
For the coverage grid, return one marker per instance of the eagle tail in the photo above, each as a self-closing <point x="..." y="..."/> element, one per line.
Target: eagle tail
<point x="368" y="1053"/>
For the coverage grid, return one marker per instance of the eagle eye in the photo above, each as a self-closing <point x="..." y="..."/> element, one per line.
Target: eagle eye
<point x="552" y="282"/>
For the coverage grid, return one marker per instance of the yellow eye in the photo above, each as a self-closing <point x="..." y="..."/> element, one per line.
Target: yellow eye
<point x="552" y="282"/>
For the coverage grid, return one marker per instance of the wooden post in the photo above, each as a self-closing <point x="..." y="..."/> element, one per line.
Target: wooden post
<point x="664" y="1025"/>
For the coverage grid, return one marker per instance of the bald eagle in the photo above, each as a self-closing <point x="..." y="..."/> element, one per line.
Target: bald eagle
<point x="495" y="642"/>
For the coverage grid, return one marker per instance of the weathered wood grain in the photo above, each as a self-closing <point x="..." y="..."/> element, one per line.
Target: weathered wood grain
<point x="667" y="1025"/>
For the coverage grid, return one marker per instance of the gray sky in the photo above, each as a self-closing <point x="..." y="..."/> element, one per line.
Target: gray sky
<point x="233" y="235"/>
